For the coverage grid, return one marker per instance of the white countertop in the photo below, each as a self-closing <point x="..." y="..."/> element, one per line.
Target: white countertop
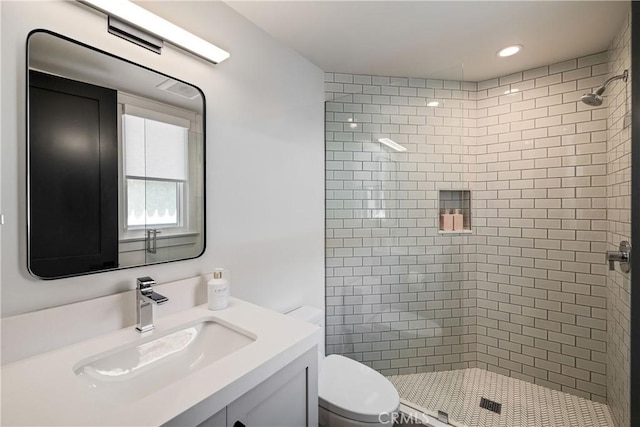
<point x="44" y="390"/>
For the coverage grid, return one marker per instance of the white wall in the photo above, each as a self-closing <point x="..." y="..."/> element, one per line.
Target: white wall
<point x="265" y="147"/>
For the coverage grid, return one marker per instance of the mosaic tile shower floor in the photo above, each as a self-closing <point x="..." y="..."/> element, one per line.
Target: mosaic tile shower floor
<point x="524" y="404"/>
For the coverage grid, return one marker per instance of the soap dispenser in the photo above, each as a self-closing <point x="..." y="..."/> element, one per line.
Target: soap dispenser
<point x="458" y="221"/>
<point x="218" y="290"/>
<point x="447" y="220"/>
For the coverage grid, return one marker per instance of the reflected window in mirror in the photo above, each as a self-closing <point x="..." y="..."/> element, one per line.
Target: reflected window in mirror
<point x="157" y="141"/>
<point x="159" y="199"/>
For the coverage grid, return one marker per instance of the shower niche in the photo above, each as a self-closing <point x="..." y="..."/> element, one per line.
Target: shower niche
<point x="454" y="211"/>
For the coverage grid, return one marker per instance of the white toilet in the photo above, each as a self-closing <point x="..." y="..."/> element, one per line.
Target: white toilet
<point x="350" y="394"/>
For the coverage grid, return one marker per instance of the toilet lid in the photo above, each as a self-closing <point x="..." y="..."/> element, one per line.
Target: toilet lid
<point x="355" y="391"/>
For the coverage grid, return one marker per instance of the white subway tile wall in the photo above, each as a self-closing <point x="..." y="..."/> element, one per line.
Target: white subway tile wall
<point x="541" y="221"/>
<point x="527" y="293"/>
<point x="619" y="223"/>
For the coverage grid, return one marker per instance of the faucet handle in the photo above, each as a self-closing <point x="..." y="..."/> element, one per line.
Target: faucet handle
<point x="145" y="290"/>
<point x="623" y="255"/>
<point x="145" y="284"/>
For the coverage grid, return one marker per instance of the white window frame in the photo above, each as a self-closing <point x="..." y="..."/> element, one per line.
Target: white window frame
<point x="154" y="110"/>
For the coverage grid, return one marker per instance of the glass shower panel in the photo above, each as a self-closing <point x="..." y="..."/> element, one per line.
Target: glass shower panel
<point x="399" y="288"/>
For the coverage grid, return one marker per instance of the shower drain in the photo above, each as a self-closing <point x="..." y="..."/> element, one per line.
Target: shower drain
<point x="491" y="405"/>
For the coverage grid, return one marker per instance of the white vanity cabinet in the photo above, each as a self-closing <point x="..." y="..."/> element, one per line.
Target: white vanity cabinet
<point x="288" y="398"/>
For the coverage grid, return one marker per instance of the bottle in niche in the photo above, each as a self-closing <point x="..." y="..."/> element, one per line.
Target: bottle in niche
<point x="458" y="221"/>
<point x="447" y="221"/>
<point x="218" y="291"/>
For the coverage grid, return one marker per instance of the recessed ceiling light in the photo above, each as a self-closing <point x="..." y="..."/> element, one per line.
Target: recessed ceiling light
<point x="392" y="144"/>
<point x="433" y="104"/>
<point x="509" y="50"/>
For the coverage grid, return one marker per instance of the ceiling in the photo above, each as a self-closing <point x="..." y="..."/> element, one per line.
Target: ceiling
<point x="438" y="39"/>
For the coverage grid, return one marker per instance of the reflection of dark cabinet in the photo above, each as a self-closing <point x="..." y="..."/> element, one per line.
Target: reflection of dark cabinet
<point x="73" y="170"/>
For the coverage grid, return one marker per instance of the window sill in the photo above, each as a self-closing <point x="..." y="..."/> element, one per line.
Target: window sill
<point x="159" y="236"/>
<point x="174" y="241"/>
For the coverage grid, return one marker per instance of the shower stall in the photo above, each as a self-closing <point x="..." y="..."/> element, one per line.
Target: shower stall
<point x="512" y="315"/>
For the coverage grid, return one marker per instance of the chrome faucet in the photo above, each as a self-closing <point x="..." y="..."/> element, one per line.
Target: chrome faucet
<point x="622" y="255"/>
<point x="145" y="296"/>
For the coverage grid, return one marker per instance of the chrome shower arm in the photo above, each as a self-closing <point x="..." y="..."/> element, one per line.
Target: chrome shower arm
<point x="624" y="76"/>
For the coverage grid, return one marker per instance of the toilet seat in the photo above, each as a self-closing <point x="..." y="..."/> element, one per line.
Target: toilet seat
<point x="355" y="391"/>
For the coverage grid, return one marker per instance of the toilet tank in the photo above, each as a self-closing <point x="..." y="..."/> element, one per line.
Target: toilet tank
<point x="313" y="315"/>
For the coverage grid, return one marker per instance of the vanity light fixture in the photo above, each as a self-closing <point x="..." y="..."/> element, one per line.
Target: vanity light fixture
<point x="509" y="50"/>
<point x="392" y="144"/>
<point x="145" y="21"/>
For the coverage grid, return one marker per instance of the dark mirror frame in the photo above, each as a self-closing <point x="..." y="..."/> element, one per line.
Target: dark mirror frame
<point x="28" y="157"/>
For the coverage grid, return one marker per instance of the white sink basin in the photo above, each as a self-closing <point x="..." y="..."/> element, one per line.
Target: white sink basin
<point x="146" y="365"/>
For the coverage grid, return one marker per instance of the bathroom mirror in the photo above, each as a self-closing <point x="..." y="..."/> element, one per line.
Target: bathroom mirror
<point x="115" y="161"/>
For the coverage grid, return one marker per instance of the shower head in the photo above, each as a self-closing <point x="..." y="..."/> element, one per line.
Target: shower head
<point x="595" y="99"/>
<point x="592" y="99"/>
